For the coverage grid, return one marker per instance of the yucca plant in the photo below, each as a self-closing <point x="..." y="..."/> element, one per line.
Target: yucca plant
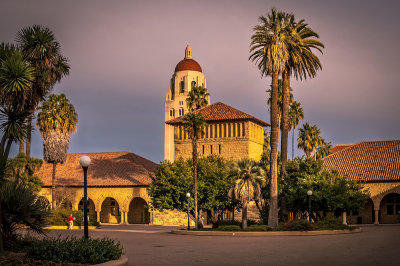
<point x="21" y="207"/>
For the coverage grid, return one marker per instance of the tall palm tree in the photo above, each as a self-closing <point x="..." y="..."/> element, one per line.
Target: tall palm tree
<point x="194" y="124"/>
<point x="303" y="63"/>
<point x="309" y="139"/>
<point x="16" y="77"/>
<point x="269" y="52"/>
<point x="42" y="50"/>
<point x="295" y="115"/>
<point x="280" y="103"/>
<point x="57" y="121"/>
<point x="250" y="178"/>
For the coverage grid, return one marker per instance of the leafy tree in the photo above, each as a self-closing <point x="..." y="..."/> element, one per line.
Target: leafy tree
<point x="57" y="121"/>
<point x="309" y="139"/>
<point x="268" y="50"/>
<point x="194" y="124"/>
<point x="173" y="180"/>
<point x="23" y="169"/>
<point x="331" y="192"/>
<point x="302" y="62"/>
<point x="250" y="179"/>
<point x="40" y="47"/>
<point x="295" y="115"/>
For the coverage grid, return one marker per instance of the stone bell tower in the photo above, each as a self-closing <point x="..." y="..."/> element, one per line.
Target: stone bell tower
<point x="188" y="74"/>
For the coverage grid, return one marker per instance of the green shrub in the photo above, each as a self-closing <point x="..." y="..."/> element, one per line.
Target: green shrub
<point x="258" y="227"/>
<point x="60" y="217"/>
<point x="92" y="251"/>
<point x="331" y="223"/>
<point x="295" y="225"/>
<point x="227" y="222"/>
<point x="229" y="228"/>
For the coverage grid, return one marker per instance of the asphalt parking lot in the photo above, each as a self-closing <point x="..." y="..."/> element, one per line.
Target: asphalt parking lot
<point x="154" y="245"/>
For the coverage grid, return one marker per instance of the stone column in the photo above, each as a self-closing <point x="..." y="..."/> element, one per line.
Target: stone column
<point x="122" y="218"/>
<point x="344" y="216"/>
<point x="126" y="217"/>
<point x="376" y="217"/>
<point x="98" y="216"/>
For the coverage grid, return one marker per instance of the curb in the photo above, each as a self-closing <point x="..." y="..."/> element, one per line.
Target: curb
<point x="279" y="233"/>
<point x="123" y="261"/>
<point x="65" y="227"/>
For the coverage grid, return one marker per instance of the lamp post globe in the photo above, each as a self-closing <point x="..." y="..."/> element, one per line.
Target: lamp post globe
<point x="309" y="193"/>
<point x="84" y="161"/>
<point x="188" y="195"/>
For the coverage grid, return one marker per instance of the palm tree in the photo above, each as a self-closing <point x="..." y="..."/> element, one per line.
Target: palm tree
<point x="302" y="62"/>
<point x="295" y="115"/>
<point x="42" y="50"/>
<point x="280" y="103"/>
<point x="269" y="52"/>
<point x="57" y="120"/>
<point x="16" y="77"/>
<point x="309" y="139"/>
<point x="194" y="124"/>
<point x="324" y="149"/>
<point x="249" y="180"/>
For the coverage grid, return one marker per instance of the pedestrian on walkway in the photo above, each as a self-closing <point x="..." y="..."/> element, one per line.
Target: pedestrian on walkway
<point x="70" y="222"/>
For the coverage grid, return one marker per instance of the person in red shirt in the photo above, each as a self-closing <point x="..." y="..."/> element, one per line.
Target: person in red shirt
<point x="70" y="222"/>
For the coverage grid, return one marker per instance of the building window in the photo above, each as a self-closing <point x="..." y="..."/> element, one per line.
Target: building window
<point x="219" y="148"/>
<point x="243" y="130"/>
<point x="172" y="113"/>
<point x="211" y="149"/>
<point x="203" y="149"/>
<point x="193" y="84"/>
<point x="182" y="87"/>
<point x="393" y="204"/>
<point x="225" y="131"/>
<point x="220" y="130"/>
<point x="181" y="112"/>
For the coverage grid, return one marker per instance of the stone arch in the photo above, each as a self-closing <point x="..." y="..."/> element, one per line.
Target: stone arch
<point x="138" y="211"/>
<point x="91" y="207"/>
<point x="65" y="204"/>
<point x="110" y="211"/>
<point x="390" y="208"/>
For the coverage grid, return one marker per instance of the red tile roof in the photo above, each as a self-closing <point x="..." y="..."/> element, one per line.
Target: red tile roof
<point x="340" y="147"/>
<point x="367" y="161"/>
<point x="220" y="112"/>
<point x="106" y="169"/>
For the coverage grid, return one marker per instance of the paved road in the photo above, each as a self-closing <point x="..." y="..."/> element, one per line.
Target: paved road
<point x="154" y="245"/>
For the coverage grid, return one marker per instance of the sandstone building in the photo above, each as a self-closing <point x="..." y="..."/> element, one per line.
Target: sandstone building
<point x="230" y="133"/>
<point x="377" y="164"/>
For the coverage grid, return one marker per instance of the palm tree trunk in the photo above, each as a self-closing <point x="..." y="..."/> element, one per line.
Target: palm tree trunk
<point x="294" y="128"/>
<point x="2" y="144"/>
<point x="53" y="188"/>
<point x="21" y="146"/>
<point x="194" y="156"/>
<point x="273" y="209"/>
<point x="8" y="147"/>
<point x="244" y="214"/>
<point x="285" y="120"/>
<point x="1" y="234"/>
<point x="29" y="136"/>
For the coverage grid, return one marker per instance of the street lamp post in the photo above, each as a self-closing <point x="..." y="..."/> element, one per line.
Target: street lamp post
<point x="85" y="162"/>
<point x="188" y="197"/>
<point x="309" y="193"/>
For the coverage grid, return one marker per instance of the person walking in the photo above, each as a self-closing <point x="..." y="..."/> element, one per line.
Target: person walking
<point x="70" y="222"/>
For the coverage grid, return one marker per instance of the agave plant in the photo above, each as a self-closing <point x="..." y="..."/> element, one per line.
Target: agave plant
<point x="21" y="206"/>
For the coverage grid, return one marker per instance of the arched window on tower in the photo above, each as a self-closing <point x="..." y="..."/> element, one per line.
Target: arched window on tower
<point x="182" y="87"/>
<point x="172" y="113"/>
<point x="193" y="84"/>
<point x="181" y="112"/>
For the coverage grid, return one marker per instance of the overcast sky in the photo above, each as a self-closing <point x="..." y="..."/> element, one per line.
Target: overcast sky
<point x="123" y="54"/>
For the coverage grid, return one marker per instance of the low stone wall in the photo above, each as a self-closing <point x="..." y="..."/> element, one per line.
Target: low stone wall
<point x="170" y="218"/>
